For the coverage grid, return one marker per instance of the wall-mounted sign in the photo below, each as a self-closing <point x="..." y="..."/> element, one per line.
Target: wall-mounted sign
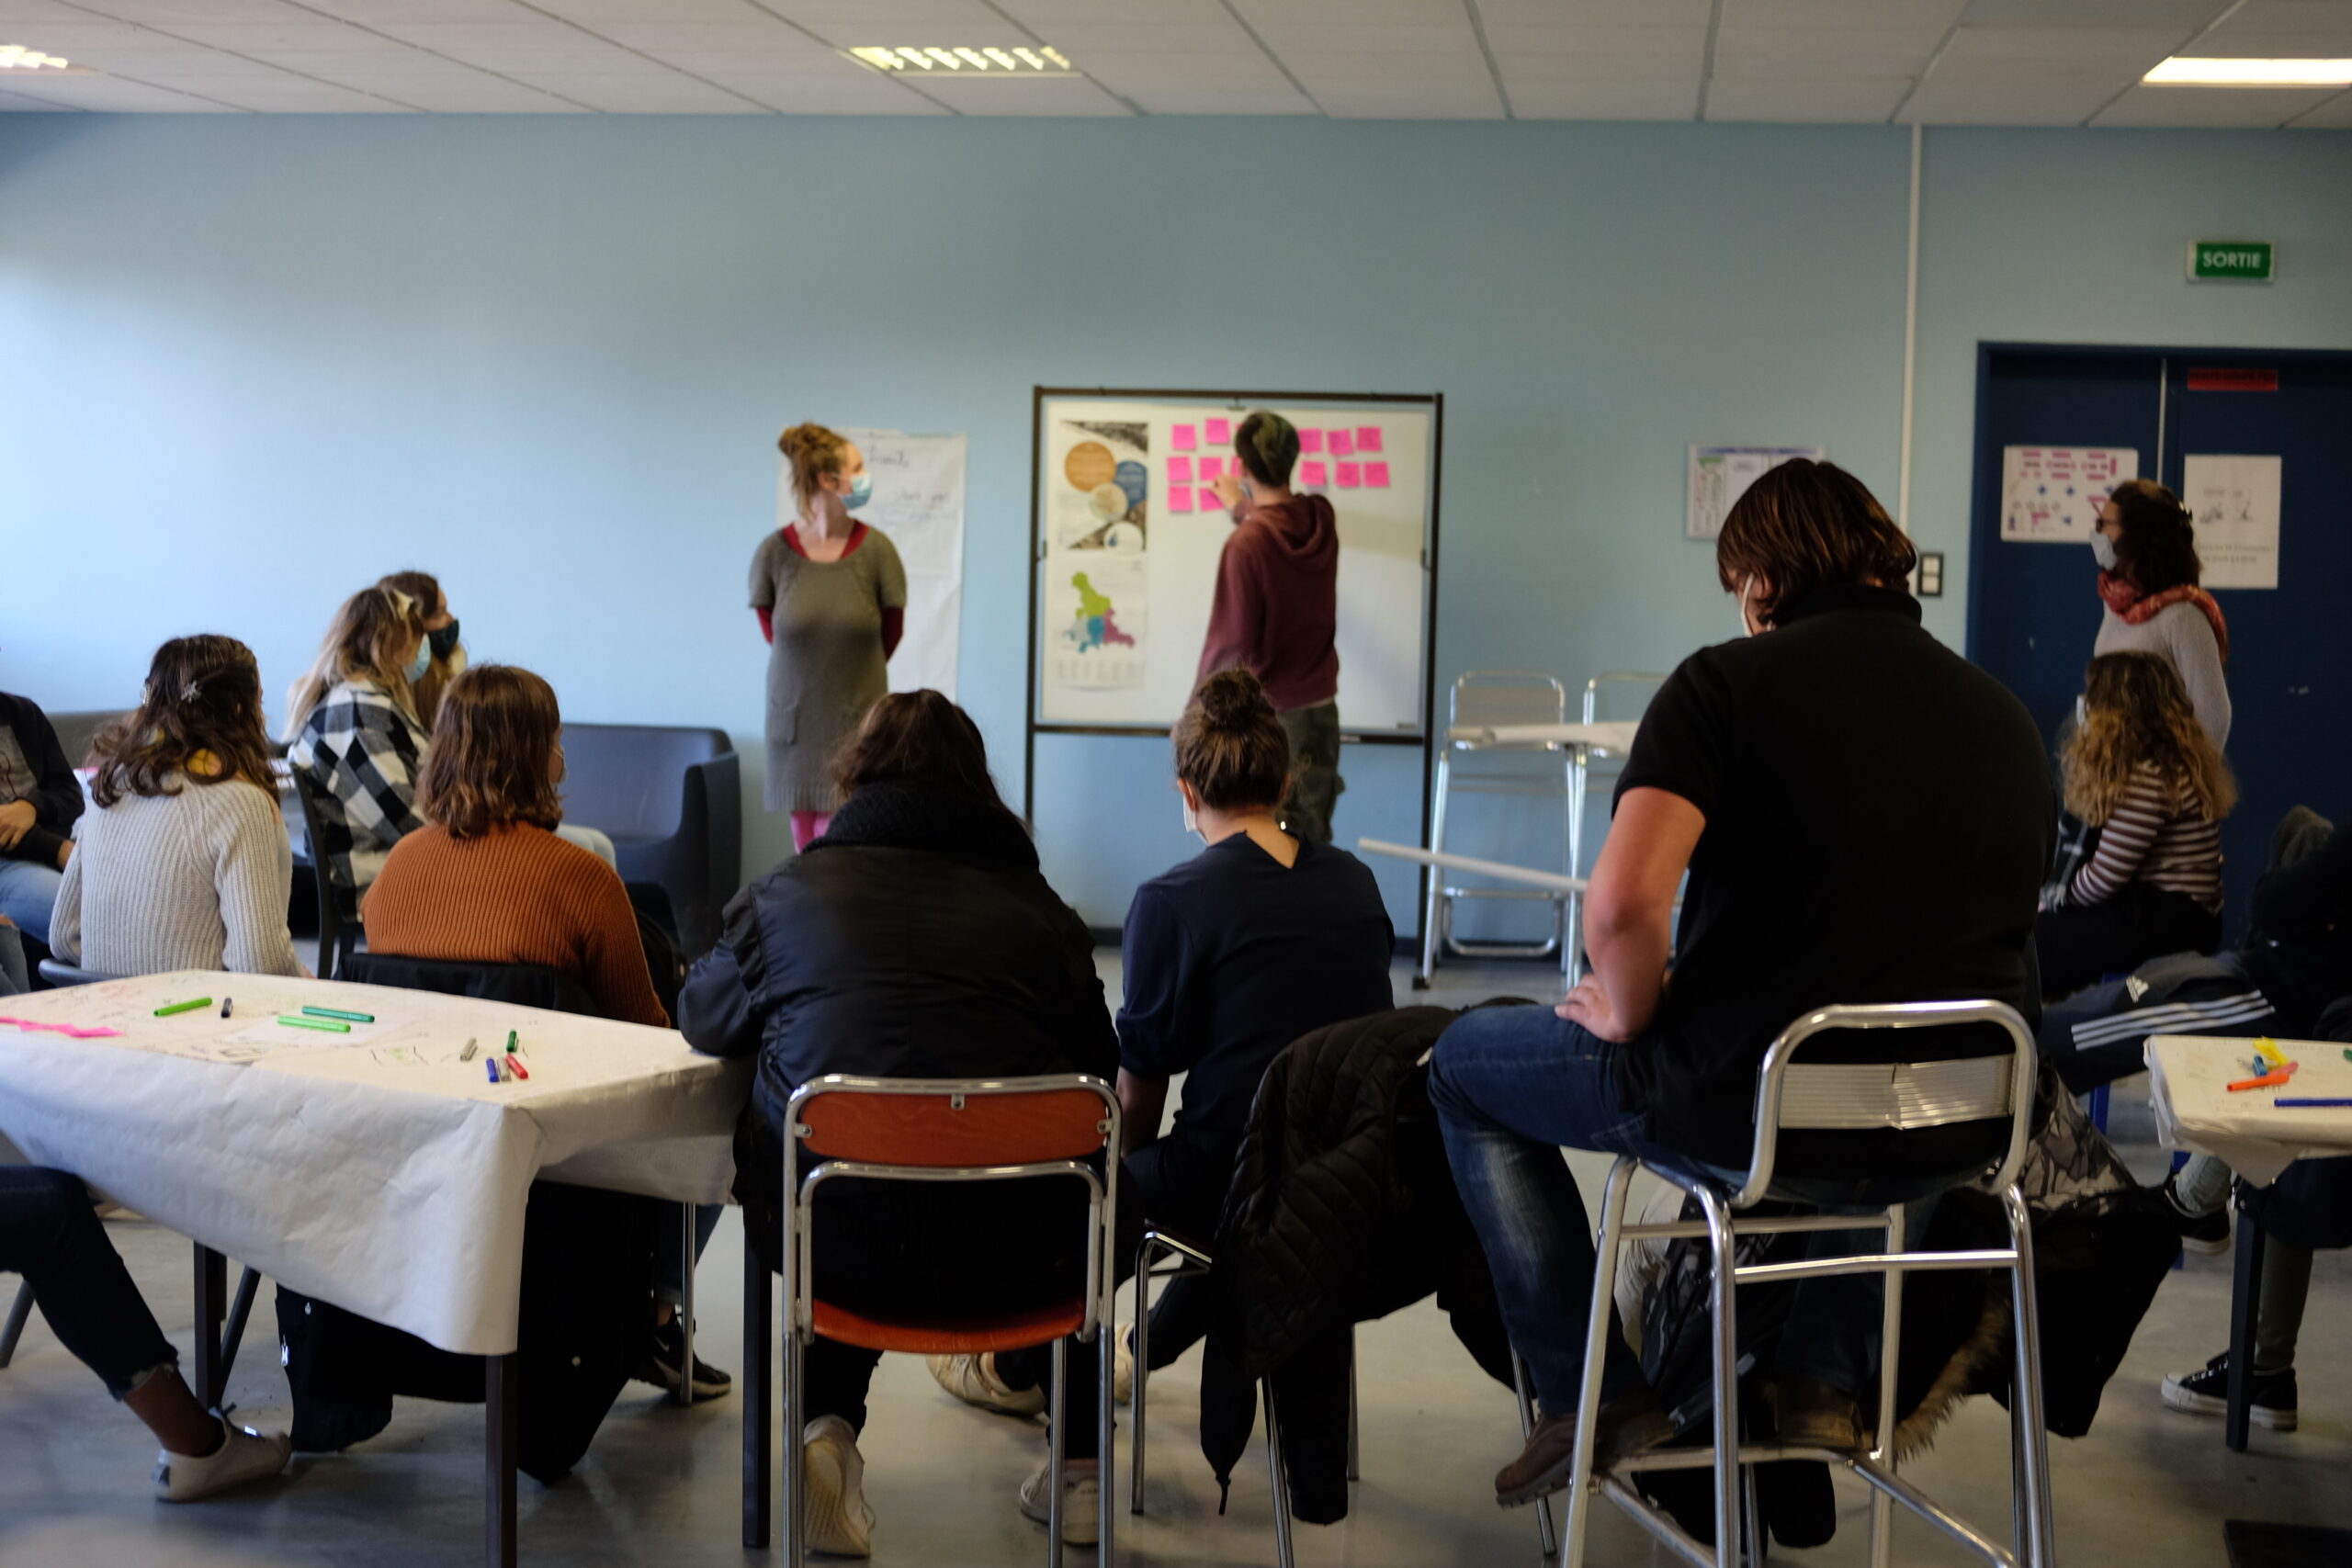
<point x="2052" y="495"/>
<point x="2231" y="379"/>
<point x="2230" y="261"/>
<point x="1719" y="476"/>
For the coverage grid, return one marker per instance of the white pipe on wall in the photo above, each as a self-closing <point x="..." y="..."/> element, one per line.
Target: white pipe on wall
<point x="1910" y="338"/>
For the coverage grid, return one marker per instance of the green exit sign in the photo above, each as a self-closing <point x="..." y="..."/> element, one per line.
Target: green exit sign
<point x="2232" y="261"/>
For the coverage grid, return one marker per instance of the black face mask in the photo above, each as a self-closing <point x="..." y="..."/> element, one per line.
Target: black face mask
<point x="444" y="641"/>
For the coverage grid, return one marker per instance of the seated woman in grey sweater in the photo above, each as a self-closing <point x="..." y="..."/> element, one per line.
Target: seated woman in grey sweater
<point x="184" y="863"/>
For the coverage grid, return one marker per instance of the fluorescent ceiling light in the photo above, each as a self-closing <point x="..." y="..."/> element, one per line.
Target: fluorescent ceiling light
<point x="979" y="60"/>
<point x="17" y="57"/>
<point x="2183" y="71"/>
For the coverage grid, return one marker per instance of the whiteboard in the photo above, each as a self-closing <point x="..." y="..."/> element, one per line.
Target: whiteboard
<point x="1126" y="550"/>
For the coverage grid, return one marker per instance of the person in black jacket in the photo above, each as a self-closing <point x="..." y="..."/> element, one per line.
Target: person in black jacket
<point x="915" y="938"/>
<point x="40" y="800"/>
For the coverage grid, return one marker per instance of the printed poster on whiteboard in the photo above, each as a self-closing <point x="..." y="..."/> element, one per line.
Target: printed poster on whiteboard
<point x="1719" y="476"/>
<point x="2052" y="495"/>
<point x="2235" y="504"/>
<point x="918" y="503"/>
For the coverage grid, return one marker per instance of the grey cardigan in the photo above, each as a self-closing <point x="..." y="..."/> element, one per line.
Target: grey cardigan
<point x="2181" y="634"/>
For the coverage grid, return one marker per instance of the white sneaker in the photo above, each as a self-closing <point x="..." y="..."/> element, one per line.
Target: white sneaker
<point x="973" y="1379"/>
<point x="1082" y="1500"/>
<point x="244" y="1455"/>
<point x="1123" y="1366"/>
<point x="837" y="1521"/>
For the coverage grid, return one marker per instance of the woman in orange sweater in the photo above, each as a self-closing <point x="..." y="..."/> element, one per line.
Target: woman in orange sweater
<point x="486" y="880"/>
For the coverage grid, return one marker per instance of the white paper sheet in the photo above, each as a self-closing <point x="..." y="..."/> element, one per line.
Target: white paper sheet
<point x="2189" y="1080"/>
<point x="1719" y="476"/>
<point x="2052" y="495"/>
<point x="2235" y="500"/>
<point x="919" y="502"/>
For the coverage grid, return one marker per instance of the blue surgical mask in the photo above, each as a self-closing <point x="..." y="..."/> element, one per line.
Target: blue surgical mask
<point x="422" y="662"/>
<point x="860" y="491"/>
<point x="2103" y="551"/>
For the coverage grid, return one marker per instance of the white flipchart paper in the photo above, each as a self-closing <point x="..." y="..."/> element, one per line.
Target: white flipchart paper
<point x="2235" y="502"/>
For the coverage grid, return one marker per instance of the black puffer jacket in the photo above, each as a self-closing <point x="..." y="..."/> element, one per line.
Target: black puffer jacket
<point x="1343" y="1210"/>
<point x="916" y="938"/>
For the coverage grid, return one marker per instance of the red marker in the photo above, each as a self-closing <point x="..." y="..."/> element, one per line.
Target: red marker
<point x="516" y="1068"/>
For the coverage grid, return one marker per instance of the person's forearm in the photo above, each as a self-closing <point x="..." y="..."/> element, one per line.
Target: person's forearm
<point x="1142" y="1103"/>
<point x="1629" y="952"/>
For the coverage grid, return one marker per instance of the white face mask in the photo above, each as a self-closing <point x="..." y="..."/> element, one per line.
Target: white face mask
<point x="2103" y="551"/>
<point x="1745" y="629"/>
<point x="1192" y="823"/>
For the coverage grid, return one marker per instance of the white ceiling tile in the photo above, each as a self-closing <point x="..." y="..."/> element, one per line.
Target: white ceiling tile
<point x="1943" y="100"/>
<point x="1806" y="16"/>
<point x="1594" y="13"/>
<point x="112" y="95"/>
<point x="763" y="35"/>
<point x="1605" y="100"/>
<point x="2060" y="15"/>
<point x="1828" y="66"/>
<point x="1512" y="45"/>
<point x="2282" y="28"/>
<point x="284" y="94"/>
<point x="377" y="13"/>
<point x="18" y="103"/>
<point x="2215" y="108"/>
<point x="176" y="15"/>
<point x="925" y="23"/>
<point x="2333" y="115"/>
<point x="602" y="14"/>
<point x="645" y="93"/>
<point x="2060" y="47"/>
<point x="1015" y="95"/>
<point x="810" y="94"/>
<point x="16" y="13"/>
<point x="1849" y="101"/>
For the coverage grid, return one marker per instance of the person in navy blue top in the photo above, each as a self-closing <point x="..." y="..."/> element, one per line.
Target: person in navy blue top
<point x="1261" y="938"/>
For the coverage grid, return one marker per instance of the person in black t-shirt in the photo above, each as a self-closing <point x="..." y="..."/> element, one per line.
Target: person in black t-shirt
<point x="1865" y="817"/>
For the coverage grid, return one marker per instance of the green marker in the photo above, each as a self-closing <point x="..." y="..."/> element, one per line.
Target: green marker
<point x="515" y="1046"/>
<point x="292" y="1022"/>
<point x="182" y="1006"/>
<point x="337" y="1012"/>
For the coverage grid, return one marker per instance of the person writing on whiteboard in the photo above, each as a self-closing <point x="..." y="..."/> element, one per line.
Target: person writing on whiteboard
<point x="2148" y="574"/>
<point x="831" y="598"/>
<point x="1276" y="608"/>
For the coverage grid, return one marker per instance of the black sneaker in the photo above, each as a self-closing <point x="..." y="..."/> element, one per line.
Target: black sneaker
<point x="2272" y="1397"/>
<point x="665" y="1352"/>
<point x="2206" y="1234"/>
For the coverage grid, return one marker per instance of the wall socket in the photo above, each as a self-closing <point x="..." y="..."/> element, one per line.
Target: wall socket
<point x="1930" y="576"/>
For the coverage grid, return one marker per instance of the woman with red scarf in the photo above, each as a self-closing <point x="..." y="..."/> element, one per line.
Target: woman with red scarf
<point x="2148" y="572"/>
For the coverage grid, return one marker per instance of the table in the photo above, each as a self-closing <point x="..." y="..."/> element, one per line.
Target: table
<point x="375" y="1169"/>
<point x="2189" y="1080"/>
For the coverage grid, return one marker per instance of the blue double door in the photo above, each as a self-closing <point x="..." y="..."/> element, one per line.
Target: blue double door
<point x="2034" y="608"/>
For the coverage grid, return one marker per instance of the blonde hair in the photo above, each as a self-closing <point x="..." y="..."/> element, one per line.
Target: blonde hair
<point x="369" y="633"/>
<point x="2135" y="710"/>
<point x="815" y="452"/>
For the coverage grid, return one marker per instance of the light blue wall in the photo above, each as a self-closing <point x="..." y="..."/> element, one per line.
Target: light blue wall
<point x="247" y="364"/>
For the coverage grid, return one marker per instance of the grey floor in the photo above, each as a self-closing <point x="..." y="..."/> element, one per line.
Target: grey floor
<point x="2148" y="1486"/>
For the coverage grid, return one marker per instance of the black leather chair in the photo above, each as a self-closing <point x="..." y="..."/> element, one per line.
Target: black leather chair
<point x="670" y="799"/>
<point x="57" y="972"/>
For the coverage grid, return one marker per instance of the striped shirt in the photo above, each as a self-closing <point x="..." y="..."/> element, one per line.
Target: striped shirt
<point x="2156" y="835"/>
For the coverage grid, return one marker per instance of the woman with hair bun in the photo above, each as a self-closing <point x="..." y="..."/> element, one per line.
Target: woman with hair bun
<point x="184" y="863"/>
<point x="831" y="598"/>
<point x="2146" y="547"/>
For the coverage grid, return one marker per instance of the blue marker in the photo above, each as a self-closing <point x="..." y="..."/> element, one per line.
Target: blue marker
<point x="493" y="1064"/>
<point x="2313" y="1101"/>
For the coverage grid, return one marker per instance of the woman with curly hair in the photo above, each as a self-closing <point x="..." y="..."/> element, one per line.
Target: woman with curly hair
<point x="2142" y="770"/>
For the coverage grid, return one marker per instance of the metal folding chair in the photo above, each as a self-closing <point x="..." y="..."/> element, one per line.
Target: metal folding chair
<point x="18" y="1311"/>
<point x="1825" y="1099"/>
<point x="939" y="1131"/>
<point x="1471" y="763"/>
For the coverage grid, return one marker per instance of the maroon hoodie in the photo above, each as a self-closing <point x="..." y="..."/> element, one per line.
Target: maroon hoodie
<point x="1277" y="602"/>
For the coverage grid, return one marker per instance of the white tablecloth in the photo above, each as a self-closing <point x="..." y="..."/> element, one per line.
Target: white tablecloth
<point x="375" y="1169"/>
<point x="2189" y="1086"/>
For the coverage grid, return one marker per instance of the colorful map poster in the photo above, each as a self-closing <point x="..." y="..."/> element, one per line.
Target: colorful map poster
<point x="1095" y="607"/>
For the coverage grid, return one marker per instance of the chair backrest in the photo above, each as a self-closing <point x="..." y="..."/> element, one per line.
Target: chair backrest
<point x="57" y="972"/>
<point x="523" y="984"/>
<point x="1619" y="694"/>
<point x="938" y="1125"/>
<point x="629" y="779"/>
<point x="333" y="959"/>
<point x="1489" y="698"/>
<point x="1950" y="1100"/>
<point x="75" y="730"/>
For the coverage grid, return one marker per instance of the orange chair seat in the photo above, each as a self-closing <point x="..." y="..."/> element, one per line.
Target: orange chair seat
<point x="951" y="1336"/>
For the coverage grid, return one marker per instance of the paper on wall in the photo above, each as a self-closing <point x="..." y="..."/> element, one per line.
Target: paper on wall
<point x="2234" y="501"/>
<point x="919" y="502"/>
<point x="2052" y="495"/>
<point x="1719" y="476"/>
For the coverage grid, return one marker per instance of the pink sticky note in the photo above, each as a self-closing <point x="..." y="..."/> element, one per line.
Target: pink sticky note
<point x="1182" y="437"/>
<point x="1180" y="498"/>
<point x="1180" y="470"/>
<point x="1209" y="501"/>
<point x="1212" y="468"/>
<point x="1310" y="441"/>
<point x="1342" y="444"/>
<point x="1367" y="438"/>
<point x="1312" y="473"/>
<point x="1220" y="432"/>
<point x="1375" y="476"/>
<point x="1351" y="474"/>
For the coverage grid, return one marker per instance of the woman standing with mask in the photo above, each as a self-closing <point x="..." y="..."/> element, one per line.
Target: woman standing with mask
<point x="2148" y="579"/>
<point x="832" y="596"/>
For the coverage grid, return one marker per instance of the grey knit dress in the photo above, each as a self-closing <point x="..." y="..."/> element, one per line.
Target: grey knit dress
<point x="825" y="668"/>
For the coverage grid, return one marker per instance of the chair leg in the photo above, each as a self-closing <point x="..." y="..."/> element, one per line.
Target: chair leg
<point x="686" y="1305"/>
<point x="1752" y="1507"/>
<point x="1057" y="1444"/>
<point x="1580" y="1492"/>
<point x="1435" y="874"/>
<point x="1136" y="1436"/>
<point x="1722" y="1243"/>
<point x="1890" y="1360"/>
<point x="232" y="1338"/>
<point x="795" y="1493"/>
<point x="1355" y="1464"/>
<point x="19" y="1312"/>
<point x="1543" y="1533"/>
<point x="1280" y="1473"/>
<point x="2039" y="1550"/>
<point x="1106" y="1501"/>
<point x="759" y="1406"/>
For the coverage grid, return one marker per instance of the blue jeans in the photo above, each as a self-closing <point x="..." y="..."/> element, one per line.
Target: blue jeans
<point x="27" y="894"/>
<point x="49" y="1234"/>
<point x="1513" y="1086"/>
